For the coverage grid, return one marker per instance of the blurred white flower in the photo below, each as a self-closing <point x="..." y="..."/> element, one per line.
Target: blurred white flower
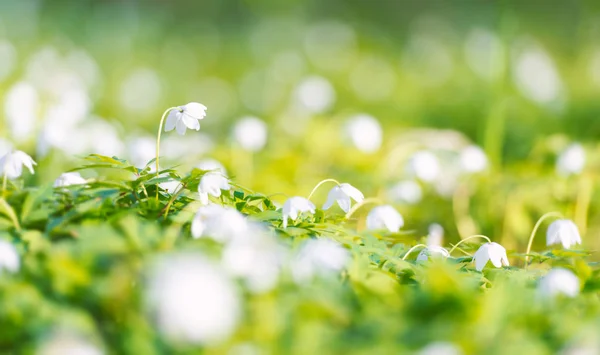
<point x="424" y="165"/>
<point x="342" y="194"/>
<point x="294" y="206"/>
<point x="212" y="164"/>
<point x="315" y="94"/>
<point x="21" y="110"/>
<point x="5" y="147"/>
<point x="250" y="133"/>
<point x="256" y="257"/>
<point x="142" y="150"/>
<point x="493" y="252"/>
<point x="559" y="281"/>
<point x="185" y="116"/>
<point x="212" y="183"/>
<point x="384" y="217"/>
<point x="484" y="53"/>
<point x="219" y="223"/>
<point x="68" y="179"/>
<point x="535" y="74"/>
<point x="192" y="300"/>
<point x="435" y="235"/>
<point x="322" y="257"/>
<point x="365" y="133"/>
<point x="563" y="231"/>
<point x="68" y="344"/>
<point x="432" y="252"/>
<point x="473" y="159"/>
<point x="11" y="164"/>
<point x="440" y="348"/>
<point x="407" y="191"/>
<point x="9" y="257"/>
<point x="571" y="160"/>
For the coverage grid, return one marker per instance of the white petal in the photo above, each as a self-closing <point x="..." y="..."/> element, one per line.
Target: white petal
<point x="344" y="203"/>
<point x="352" y="192"/>
<point x="198" y="227"/>
<point x="190" y="122"/>
<point x="180" y="127"/>
<point x="481" y="257"/>
<point x="195" y="110"/>
<point x="331" y="197"/>
<point x="172" y="119"/>
<point x="204" y="198"/>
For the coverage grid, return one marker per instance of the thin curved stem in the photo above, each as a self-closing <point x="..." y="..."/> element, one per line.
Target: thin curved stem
<point x="321" y="183"/>
<point x="535" y="228"/>
<point x="362" y="203"/>
<point x="177" y="193"/>
<point x="160" y="126"/>
<point x="471" y="237"/>
<point x="411" y="250"/>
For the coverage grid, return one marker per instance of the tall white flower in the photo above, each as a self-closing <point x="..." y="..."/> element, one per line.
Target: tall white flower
<point x="192" y="300"/>
<point x="424" y="165"/>
<point x="11" y="164"/>
<point x="9" y="257"/>
<point x="559" y="281"/>
<point x="473" y="159"/>
<point x="294" y="206"/>
<point x="432" y="251"/>
<point x="384" y="217"/>
<point x="212" y="183"/>
<point x="68" y="179"/>
<point x="342" y="194"/>
<point x="219" y="223"/>
<point x="323" y="257"/>
<point x="365" y="133"/>
<point x="185" y="116"/>
<point x="571" y="160"/>
<point x="493" y="252"/>
<point x="563" y="231"/>
<point x="250" y="133"/>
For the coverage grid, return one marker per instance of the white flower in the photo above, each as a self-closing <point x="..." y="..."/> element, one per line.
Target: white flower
<point x="563" y="231"/>
<point x="21" y="110"/>
<point x="250" y="133"/>
<point x="65" y="343"/>
<point x="212" y="183"/>
<point x="68" y="179"/>
<point x="294" y="206"/>
<point x="493" y="252"/>
<point x="9" y="257"/>
<point x="440" y="348"/>
<point x="424" y="165"/>
<point x="535" y="74"/>
<point x="192" y="300"/>
<point x="433" y="252"/>
<point x="571" y="160"/>
<point x="473" y="159"/>
<point x="11" y="164"/>
<point x="342" y="194"/>
<point x="365" y="133"/>
<point x="407" y="191"/>
<point x="323" y="257"/>
<point x="212" y="164"/>
<point x="435" y="235"/>
<point x="315" y="94"/>
<point x="219" y="223"/>
<point x="559" y="281"/>
<point x="185" y="116"/>
<point x="384" y="217"/>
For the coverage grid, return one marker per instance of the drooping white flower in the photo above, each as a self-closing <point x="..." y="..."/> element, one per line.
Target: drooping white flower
<point x="407" y="191"/>
<point x="250" y="133"/>
<point x="365" y="133"/>
<point x="342" y="194"/>
<point x="186" y="116"/>
<point x="219" y="223"/>
<point x="192" y="300"/>
<point x="473" y="159"/>
<point x="493" y="252"/>
<point x="68" y="179"/>
<point x="384" y="217"/>
<point x="9" y="257"/>
<point x="571" y="160"/>
<point x="66" y="343"/>
<point x="424" y="165"/>
<point x="559" y="281"/>
<point x="563" y="231"/>
<point x="294" y="206"/>
<point x="11" y="164"/>
<point x="433" y="252"/>
<point x="212" y="183"/>
<point x="323" y="257"/>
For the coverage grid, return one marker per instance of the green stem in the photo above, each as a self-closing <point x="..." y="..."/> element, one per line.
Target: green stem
<point x="411" y="250"/>
<point x="177" y="193"/>
<point x="5" y="207"/>
<point x="362" y="203"/>
<point x="160" y="126"/>
<point x="535" y="228"/>
<point x="471" y="237"/>
<point x="321" y="183"/>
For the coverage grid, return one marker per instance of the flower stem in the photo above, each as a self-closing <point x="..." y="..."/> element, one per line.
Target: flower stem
<point x="411" y="250"/>
<point x="471" y="237"/>
<point x="535" y="228"/>
<point x="177" y="193"/>
<point x="160" y="126"/>
<point x="362" y="203"/>
<point x="321" y="183"/>
<point x="582" y="206"/>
